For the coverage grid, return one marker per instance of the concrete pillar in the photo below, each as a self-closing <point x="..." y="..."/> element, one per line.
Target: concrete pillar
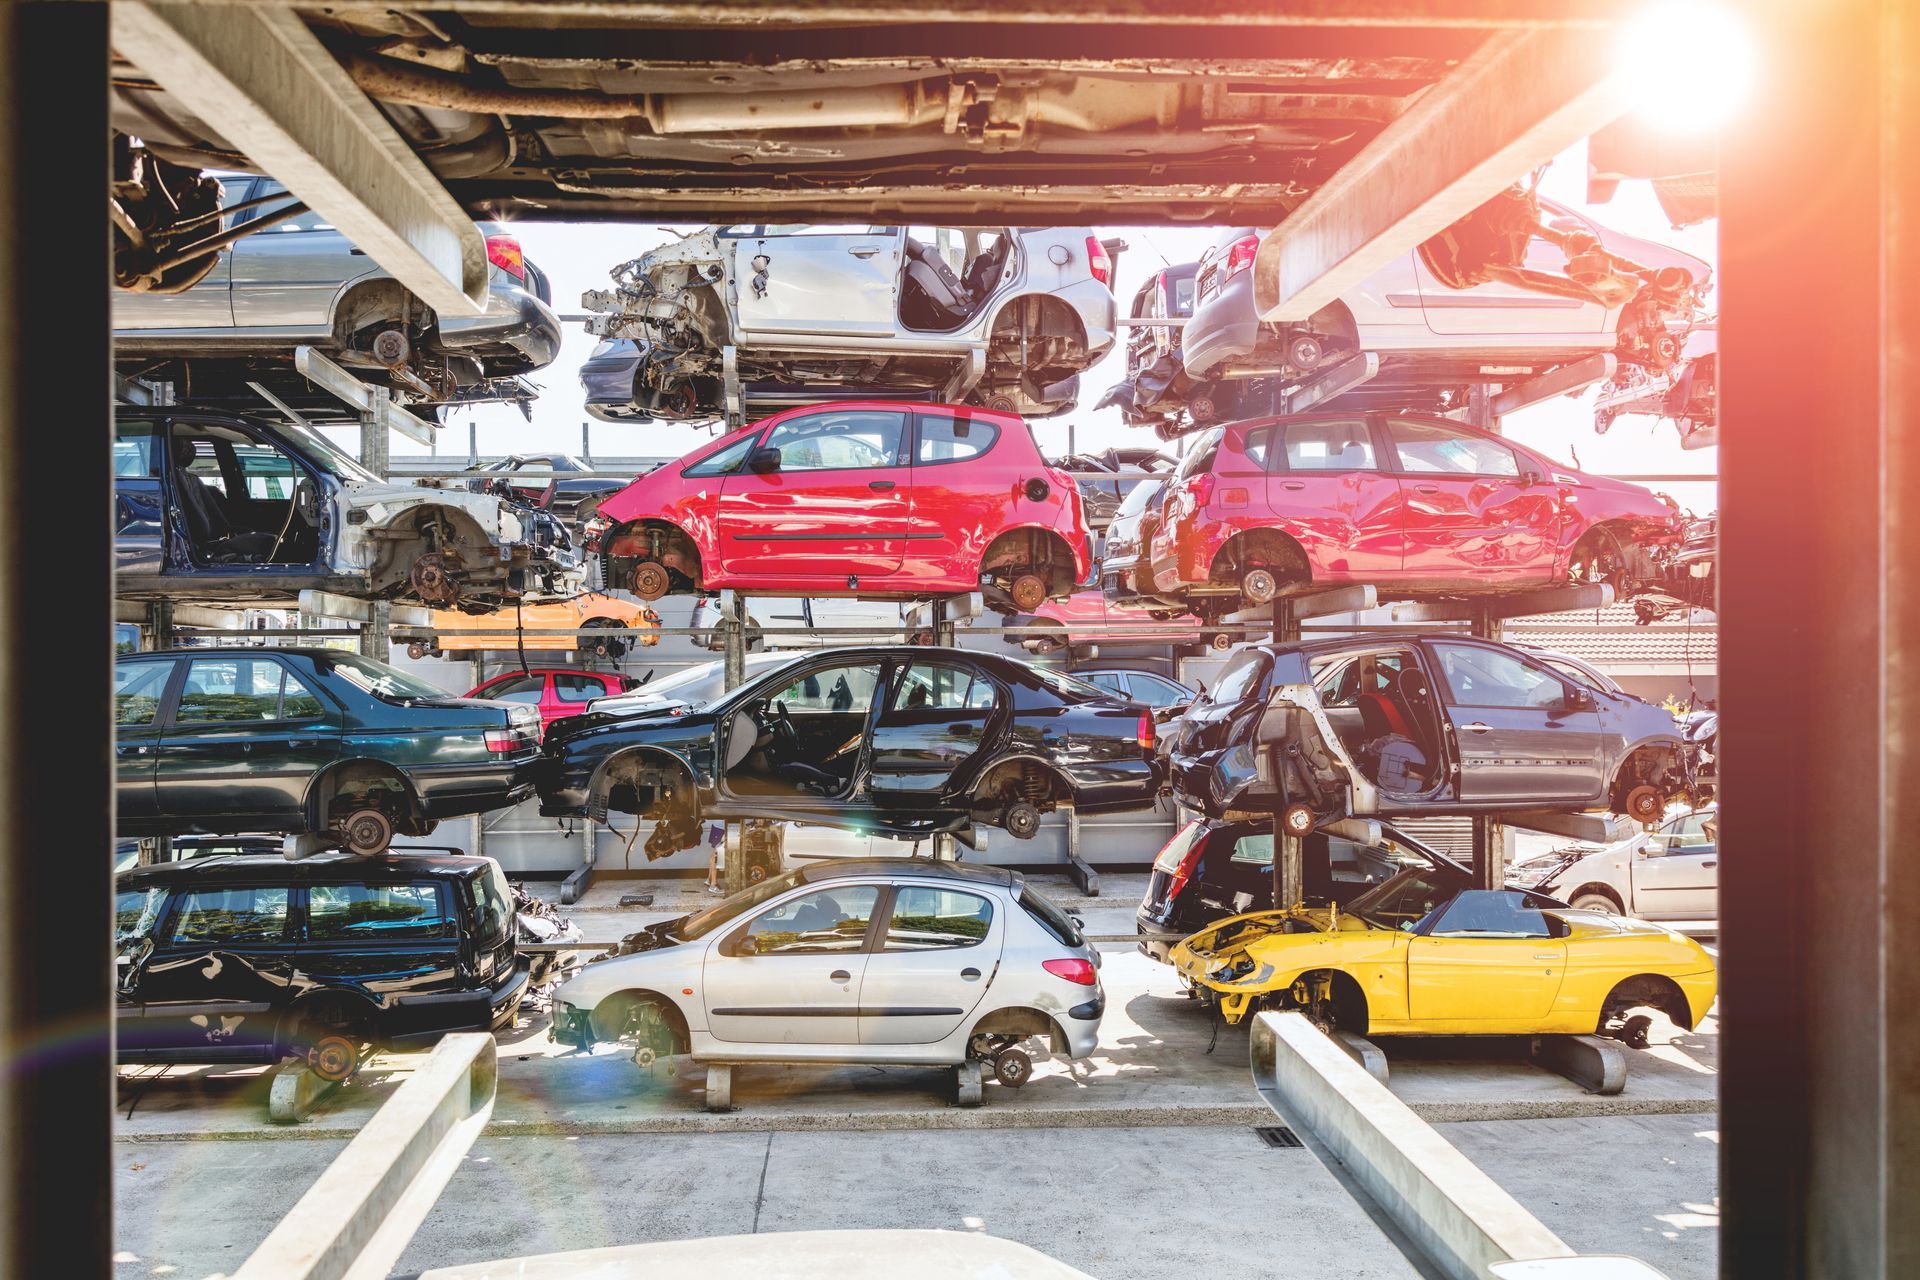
<point x="56" y="1018"/>
<point x="1820" y="649"/>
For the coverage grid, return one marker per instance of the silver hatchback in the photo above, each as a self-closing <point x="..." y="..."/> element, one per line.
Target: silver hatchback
<point x="898" y="961"/>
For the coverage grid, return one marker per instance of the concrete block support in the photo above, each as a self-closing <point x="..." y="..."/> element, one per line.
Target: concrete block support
<point x="56" y="388"/>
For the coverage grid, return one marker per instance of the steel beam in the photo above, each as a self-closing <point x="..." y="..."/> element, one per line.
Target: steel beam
<point x="372" y="402"/>
<point x="1522" y="99"/>
<point x="1568" y="379"/>
<point x="1352" y="372"/>
<point x="263" y="79"/>
<point x="56" y="1017"/>
<point x="1521" y="604"/>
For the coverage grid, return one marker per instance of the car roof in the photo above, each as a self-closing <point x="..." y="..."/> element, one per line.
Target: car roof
<point x="324" y="868"/>
<point x="202" y="651"/>
<point x="916" y="868"/>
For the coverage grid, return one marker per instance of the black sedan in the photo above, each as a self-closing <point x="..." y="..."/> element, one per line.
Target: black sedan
<point x="905" y="741"/>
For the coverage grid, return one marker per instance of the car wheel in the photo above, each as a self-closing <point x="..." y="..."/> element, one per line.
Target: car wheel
<point x="650" y="580"/>
<point x="1029" y="592"/>
<point x="1220" y="642"/>
<point x="1633" y="1033"/>
<point x="1012" y="1068"/>
<point x="1022" y="820"/>
<point x="1259" y="586"/>
<point x="334" y="1057"/>
<point x="1595" y="902"/>
<point x="366" y="833"/>
<point x="1645" y="804"/>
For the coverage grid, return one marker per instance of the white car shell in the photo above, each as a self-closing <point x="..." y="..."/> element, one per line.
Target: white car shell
<point x="789" y="971"/>
<point x="1671" y="874"/>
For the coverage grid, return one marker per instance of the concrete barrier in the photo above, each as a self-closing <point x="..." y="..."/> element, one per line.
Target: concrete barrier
<point x="1454" y="1216"/>
<point x="357" y="1217"/>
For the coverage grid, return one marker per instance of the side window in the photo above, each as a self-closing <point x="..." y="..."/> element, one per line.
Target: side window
<point x="1488" y="678"/>
<point x="134" y="911"/>
<point x="1255" y="849"/>
<point x="136" y="448"/>
<point x="932" y="686"/>
<point x="1255" y="445"/>
<point x="1111" y="681"/>
<point x="835" y="689"/>
<point x="137" y="687"/>
<point x="1199" y="458"/>
<point x="572" y="688"/>
<point x="308" y="221"/>
<point x="522" y="689"/>
<point x="726" y="461"/>
<point x="1689" y="835"/>
<point x="376" y="912"/>
<point x="1428" y="449"/>
<point x="230" y="689"/>
<point x="1328" y="446"/>
<point x="944" y="439"/>
<point x="929" y="919"/>
<point x="1156" y="692"/>
<point x="851" y="440"/>
<point x="232" y="915"/>
<point x="296" y="702"/>
<point x="1491" y="913"/>
<point x="267" y="473"/>
<point x="826" y="921"/>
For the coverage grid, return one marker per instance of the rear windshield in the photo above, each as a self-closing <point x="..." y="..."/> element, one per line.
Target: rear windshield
<point x="1241" y="677"/>
<point x="389" y="684"/>
<point x="493" y="904"/>
<point x="1200" y="457"/>
<point x="1051" y="917"/>
<point x="1137" y="498"/>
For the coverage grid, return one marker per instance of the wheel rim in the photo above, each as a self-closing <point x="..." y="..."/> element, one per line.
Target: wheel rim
<point x="1259" y="585"/>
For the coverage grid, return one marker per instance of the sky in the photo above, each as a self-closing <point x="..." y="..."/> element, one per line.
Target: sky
<point x="579" y="256"/>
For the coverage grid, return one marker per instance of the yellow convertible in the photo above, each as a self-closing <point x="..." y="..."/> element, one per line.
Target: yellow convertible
<point x="1425" y="953"/>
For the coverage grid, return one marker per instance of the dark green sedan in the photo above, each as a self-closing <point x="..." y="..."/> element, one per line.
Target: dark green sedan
<point x="307" y="741"/>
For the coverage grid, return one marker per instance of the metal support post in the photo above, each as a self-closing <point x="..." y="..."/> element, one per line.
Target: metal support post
<point x="159" y="628"/>
<point x="733" y="639"/>
<point x="1289" y="851"/>
<point x="56" y="1094"/>
<point x="375" y="456"/>
<point x="1489" y="835"/>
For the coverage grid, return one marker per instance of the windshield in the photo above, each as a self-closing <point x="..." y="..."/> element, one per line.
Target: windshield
<point x="701" y="923"/>
<point x="324" y="453"/>
<point x="382" y="681"/>
<point x="133" y="912"/>
<point x="1241" y="677"/>
<point x="1404" y="901"/>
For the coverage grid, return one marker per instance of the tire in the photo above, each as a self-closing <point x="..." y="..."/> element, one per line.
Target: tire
<point x="1594" y="901"/>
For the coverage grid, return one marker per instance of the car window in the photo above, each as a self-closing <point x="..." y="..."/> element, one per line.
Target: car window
<point x="572" y="688"/>
<point x="493" y="904"/>
<point x="137" y="687"/>
<point x="1688" y="834"/>
<point x="1050" y="917"/>
<point x="929" y="919"/>
<point x="817" y="923"/>
<point x="1200" y="457"/>
<point x="939" y="686"/>
<point x="136" y="448"/>
<point x="1406" y="899"/>
<point x="846" y="440"/>
<point x="835" y="689"/>
<point x="1241" y="677"/>
<point x="308" y="221"/>
<point x="725" y="461"/>
<point x="944" y="439"/>
<point x="267" y="473"/>
<point x="296" y="701"/>
<point x="1110" y="681"/>
<point x="1349" y="676"/>
<point x="1343" y="445"/>
<point x="1491" y="913"/>
<point x="376" y="912"/>
<point x="522" y="689"/>
<point x="1183" y="296"/>
<point x="1155" y="691"/>
<point x="134" y="911"/>
<point x="231" y="914"/>
<point x="1137" y="498"/>
<point x="1481" y="677"/>
<point x="229" y="690"/>
<point x="1254" y="849"/>
<point x="1434" y="450"/>
<point x="389" y="684"/>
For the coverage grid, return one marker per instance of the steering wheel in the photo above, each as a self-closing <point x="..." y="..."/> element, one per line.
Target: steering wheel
<point x="783" y="727"/>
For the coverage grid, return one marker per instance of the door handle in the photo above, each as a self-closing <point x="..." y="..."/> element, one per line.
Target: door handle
<point x="1477" y="727"/>
<point x="1426" y="488"/>
<point x="840" y="975"/>
<point x="879" y="486"/>
<point x="864" y="250"/>
<point x="1548" y="956"/>
<point x="971" y="975"/>
<point x="1714" y="862"/>
<point x="1293" y="484"/>
<point x="358" y="252"/>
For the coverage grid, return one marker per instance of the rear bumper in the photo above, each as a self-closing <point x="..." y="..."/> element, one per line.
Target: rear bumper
<point x="451" y="790"/>
<point x="438" y="1013"/>
<point x="1222" y="330"/>
<point x="515" y="319"/>
<point x="1155" y="943"/>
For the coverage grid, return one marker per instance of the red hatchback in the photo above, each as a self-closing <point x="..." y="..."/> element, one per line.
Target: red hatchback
<point x="1419" y="505"/>
<point x="875" y="499"/>
<point x="556" y="691"/>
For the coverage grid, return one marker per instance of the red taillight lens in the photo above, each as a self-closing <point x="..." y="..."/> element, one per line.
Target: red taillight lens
<point x="1178" y="860"/>
<point x="1098" y="262"/>
<point x="1201" y="487"/>
<point x="1240" y="256"/>
<point x="1146" y="731"/>
<point x="504" y="253"/>
<point x="1080" y="971"/>
<point x="502" y="740"/>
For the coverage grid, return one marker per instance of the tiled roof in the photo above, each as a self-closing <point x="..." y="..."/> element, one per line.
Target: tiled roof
<point x="1611" y="640"/>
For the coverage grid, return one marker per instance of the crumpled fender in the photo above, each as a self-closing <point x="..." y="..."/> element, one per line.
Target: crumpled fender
<point x="629" y="311"/>
<point x="1294" y="728"/>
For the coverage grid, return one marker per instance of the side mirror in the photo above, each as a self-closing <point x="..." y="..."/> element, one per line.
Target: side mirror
<point x="763" y="461"/>
<point x="1577" y="699"/>
<point x="1529" y="477"/>
<point x="747" y="946"/>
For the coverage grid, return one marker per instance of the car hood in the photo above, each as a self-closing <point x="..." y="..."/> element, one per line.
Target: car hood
<point x="384" y="501"/>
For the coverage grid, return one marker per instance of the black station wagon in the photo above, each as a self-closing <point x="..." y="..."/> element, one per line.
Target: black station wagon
<point x="306" y="741"/>
<point x="252" y="959"/>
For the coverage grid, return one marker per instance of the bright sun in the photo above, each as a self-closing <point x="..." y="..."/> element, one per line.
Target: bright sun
<point x="1692" y="64"/>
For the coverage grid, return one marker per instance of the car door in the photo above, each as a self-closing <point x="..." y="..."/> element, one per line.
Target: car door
<point x="1473" y="509"/>
<point x="1486" y="957"/>
<point x="824" y="495"/>
<point x="207" y="305"/>
<point x="140" y="688"/>
<point x="938" y="717"/>
<point x="1327" y="486"/>
<point x="1676" y="872"/>
<point x="1506" y="307"/>
<point x="949" y="501"/>
<point x="792" y="974"/>
<point x="219" y="970"/>
<point x="285" y="276"/>
<point x="937" y="955"/>
<point x="246" y="738"/>
<point x="139" y="504"/>
<point x="1523" y="734"/>
<point x="831" y="280"/>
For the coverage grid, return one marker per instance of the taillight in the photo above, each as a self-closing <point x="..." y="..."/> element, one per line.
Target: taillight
<point x="1098" y="262"/>
<point x="504" y="252"/>
<point x="1180" y="870"/>
<point x="1240" y="256"/>
<point x="1145" y="731"/>
<point x="1201" y="487"/>
<point x="1075" y="970"/>
<point x="502" y="740"/>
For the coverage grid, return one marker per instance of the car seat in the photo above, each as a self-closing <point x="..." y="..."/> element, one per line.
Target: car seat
<point x="935" y="297"/>
<point x="212" y="534"/>
<point x="984" y="271"/>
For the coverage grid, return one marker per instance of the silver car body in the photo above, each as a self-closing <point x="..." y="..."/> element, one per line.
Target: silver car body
<point x="790" y="299"/>
<point x="895" y="993"/>
<point x="301" y="281"/>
